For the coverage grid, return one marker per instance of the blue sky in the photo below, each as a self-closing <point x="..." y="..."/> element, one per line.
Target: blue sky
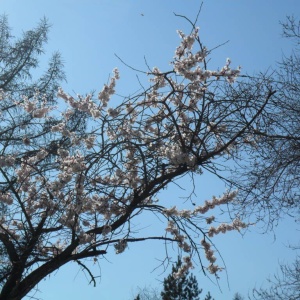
<point x="89" y="33"/>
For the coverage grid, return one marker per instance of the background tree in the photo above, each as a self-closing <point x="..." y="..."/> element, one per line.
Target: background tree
<point x="180" y="288"/>
<point x="73" y="184"/>
<point x="284" y="286"/>
<point x="18" y="62"/>
<point x="177" y="288"/>
<point x="274" y="167"/>
<point x="271" y="166"/>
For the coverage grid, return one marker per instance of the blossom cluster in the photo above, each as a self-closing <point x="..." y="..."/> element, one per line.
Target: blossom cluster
<point x="86" y="104"/>
<point x="185" y="267"/>
<point x="223" y="228"/>
<point x="6" y="198"/>
<point x="173" y="212"/>
<point x="208" y="205"/>
<point x="209" y="254"/>
<point x="186" y="62"/>
<point x="37" y="107"/>
<point x="109" y="90"/>
<point x="181" y="239"/>
<point x="7" y="161"/>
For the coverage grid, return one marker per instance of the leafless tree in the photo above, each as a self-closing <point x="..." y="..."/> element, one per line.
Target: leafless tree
<point x="284" y="286"/>
<point x="269" y="172"/>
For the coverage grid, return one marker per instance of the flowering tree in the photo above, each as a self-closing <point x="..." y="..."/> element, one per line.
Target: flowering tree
<point x="72" y="192"/>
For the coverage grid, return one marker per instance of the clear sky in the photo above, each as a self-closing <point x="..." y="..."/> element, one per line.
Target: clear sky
<point x="88" y="33"/>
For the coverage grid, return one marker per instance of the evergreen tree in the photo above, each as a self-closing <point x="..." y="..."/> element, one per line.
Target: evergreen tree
<point x="183" y="288"/>
<point x="20" y="57"/>
<point x="18" y="60"/>
<point x="20" y="81"/>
